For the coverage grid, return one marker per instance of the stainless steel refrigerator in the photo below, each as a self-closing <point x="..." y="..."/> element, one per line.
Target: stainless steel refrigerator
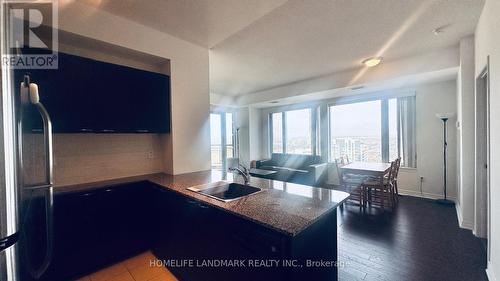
<point x="26" y="195"/>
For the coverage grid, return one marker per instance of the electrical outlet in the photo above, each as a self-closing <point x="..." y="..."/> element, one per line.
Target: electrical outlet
<point x="151" y="154"/>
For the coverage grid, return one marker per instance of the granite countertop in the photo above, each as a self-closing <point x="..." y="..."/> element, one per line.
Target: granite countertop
<point x="286" y="207"/>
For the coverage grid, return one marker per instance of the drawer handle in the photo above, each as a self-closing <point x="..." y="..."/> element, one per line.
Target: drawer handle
<point x="192" y="202"/>
<point x="86" y="130"/>
<point x="107" y="131"/>
<point x="142" y="131"/>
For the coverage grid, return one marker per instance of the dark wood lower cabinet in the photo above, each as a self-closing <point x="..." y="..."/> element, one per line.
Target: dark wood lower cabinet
<point x="196" y="234"/>
<point x="96" y="228"/>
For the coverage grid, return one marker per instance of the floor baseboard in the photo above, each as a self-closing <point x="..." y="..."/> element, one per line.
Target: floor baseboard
<point x="490" y="274"/>
<point x="423" y="195"/>
<point x="461" y="222"/>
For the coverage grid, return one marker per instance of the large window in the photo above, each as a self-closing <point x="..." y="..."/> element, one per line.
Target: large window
<point x="221" y="137"/>
<point x="374" y="131"/>
<point x="298" y="131"/>
<point x="277" y="132"/>
<point x="355" y="131"/>
<point x="229" y="135"/>
<point x="291" y="132"/>
<point x="216" y="140"/>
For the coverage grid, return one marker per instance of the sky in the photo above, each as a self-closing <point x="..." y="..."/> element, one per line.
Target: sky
<point x="361" y="119"/>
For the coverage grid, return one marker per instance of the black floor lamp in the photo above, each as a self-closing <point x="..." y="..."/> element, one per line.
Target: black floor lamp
<point x="444" y="117"/>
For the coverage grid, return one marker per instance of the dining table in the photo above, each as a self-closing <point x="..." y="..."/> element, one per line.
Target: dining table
<point x="374" y="169"/>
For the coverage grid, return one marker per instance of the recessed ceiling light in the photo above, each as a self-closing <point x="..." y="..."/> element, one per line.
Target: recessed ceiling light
<point x="440" y="29"/>
<point x="371" y="62"/>
<point x="437" y="31"/>
<point x="357" y="88"/>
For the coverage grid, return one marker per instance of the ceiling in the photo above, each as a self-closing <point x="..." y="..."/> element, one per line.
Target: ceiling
<point x="261" y="44"/>
<point x="203" y="22"/>
<point x="305" y="39"/>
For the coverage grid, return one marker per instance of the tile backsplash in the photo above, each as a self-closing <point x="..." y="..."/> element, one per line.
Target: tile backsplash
<point x="80" y="158"/>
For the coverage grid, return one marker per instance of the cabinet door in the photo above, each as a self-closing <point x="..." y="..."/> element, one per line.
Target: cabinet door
<point x="239" y="239"/>
<point x="130" y="100"/>
<point x="67" y="95"/>
<point x="75" y="236"/>
<point x="151" y="112"/>
<point x="113" y="100"/>
<point x="178" y="234"/>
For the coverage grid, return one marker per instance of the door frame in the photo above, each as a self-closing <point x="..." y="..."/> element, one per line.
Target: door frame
<point x="483" y="156"/>
<point x="224" y="155"/>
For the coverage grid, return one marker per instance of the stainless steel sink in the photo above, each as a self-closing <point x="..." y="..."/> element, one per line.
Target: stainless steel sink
<point x="225" y="191"/>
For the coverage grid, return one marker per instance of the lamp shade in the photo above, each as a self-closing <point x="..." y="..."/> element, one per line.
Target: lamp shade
<point x="443" y="116"/>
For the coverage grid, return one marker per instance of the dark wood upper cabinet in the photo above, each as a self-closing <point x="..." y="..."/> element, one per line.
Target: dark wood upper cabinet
<point x="89" y="96"/>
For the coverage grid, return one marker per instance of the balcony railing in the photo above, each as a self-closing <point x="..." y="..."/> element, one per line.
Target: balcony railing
<point x="216" y="154"/>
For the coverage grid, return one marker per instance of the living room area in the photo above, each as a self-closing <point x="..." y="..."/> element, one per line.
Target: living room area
<point x="397" y="132"/>
<point x="307" y="142"/>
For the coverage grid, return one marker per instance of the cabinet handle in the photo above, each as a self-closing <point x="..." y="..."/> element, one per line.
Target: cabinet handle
<point x="142" y="131"/>
<point x="37" y="130"/>
<point x="203" y="206"/>
<point x="107" y="131"/>
<point x="192" y="202"/>
<point x="86" y="130"/>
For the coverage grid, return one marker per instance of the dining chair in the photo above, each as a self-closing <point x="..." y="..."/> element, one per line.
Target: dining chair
<point x="349" y="184"/>
<point x="395" y="180"/>
<point x="380" y="191"/>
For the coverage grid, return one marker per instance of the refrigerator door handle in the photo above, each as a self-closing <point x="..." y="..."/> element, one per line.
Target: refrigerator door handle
<point x="37" y="187"/>
<point x="49" y="196"/>
<point x="47" y="134"/>
<point x="8" y="241"/>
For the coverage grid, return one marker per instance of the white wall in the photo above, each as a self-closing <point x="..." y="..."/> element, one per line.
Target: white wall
<point x="431" y="99"/>
<point x="466" y="134"/>
<point x="244" y="139"/>
<point x="487" y="43"/>
<point x="188" y="146"/>
<point x="255" y="128"/>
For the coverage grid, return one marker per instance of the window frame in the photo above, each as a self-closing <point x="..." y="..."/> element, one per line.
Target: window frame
<point x="312" y="126"/>
<point x="384" y="115"/>
<point x="222" y="114"/>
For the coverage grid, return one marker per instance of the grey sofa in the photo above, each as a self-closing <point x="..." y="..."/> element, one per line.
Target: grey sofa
<point x="303" y="169"/>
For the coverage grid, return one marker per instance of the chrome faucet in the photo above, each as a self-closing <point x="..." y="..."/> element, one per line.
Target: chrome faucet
<point x="243" y="171"/>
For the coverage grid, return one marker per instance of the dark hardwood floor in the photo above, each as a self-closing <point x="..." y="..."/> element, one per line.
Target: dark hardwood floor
<point x="420" y="240"/>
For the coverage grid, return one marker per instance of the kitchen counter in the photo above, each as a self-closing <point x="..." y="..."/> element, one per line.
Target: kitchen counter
<point x="285" y="207"/>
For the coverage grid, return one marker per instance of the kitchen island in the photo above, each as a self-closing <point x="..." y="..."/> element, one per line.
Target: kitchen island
<point x="286" y="232"/>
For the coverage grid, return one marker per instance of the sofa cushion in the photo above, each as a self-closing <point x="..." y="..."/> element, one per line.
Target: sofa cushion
<point x="294" y="161"/>
<point x="266" y="167"/>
